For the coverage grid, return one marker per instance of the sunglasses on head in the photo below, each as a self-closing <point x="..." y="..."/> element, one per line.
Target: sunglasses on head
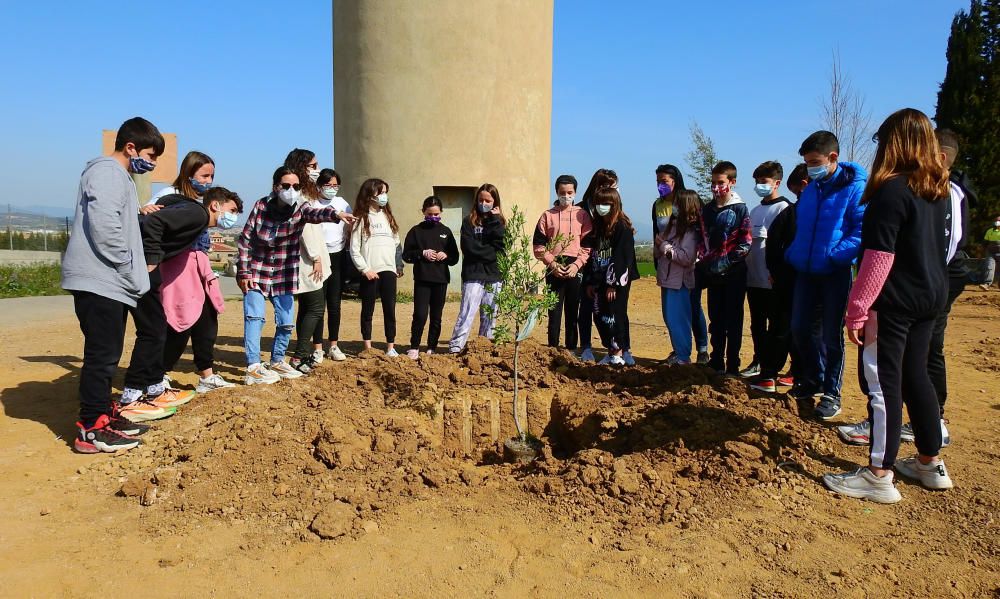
<point x="294" y="186"/>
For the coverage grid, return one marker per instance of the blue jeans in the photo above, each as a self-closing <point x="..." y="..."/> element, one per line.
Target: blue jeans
<point x="699" y="325"/>
<point x="677" y="316"/>
<point x="253" y="324"/>
<point x="820" y="300"/>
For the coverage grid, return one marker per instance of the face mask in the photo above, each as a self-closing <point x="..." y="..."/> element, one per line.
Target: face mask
<point x="288" y="196"/>
<point x="565" y="200"/>
<point x="432" y="219"/>
<point x="382" y="199"/>
<point x="227" y="220"/>
<point x="200" y="188"/>
<point x="818" y="172"/>
<point x="330" y="192"/>
<point x="664" y="189"/>
<point x="720" y="191"/>
<point x="484" y="208"/>
<point x="997" y="224"/>
<point x="762" y="189"/>
<point x="140" y="165"/>
<point x="602" y="209"/>
<point x="313" y="175"/>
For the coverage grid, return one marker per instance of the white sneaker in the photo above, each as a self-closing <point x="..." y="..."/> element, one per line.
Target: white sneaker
<point x="317" y="356"/>
<point x="945" y="436"/>
<point x="906" y="433"/>
<point x="863" y="484"/>
<point x="413" y="354"/>
<point x="856" y="434"/>
<point x="587" y="355"/>
<point x="392" y="353"/>
<point x="168" y="382"/>
<point x="258" y="374"/>
<point x="605" y="360"/>
<point x="627" y="357"/>
<point x="284" y="370"/>
<point x="212" y="383"/>
<point x="618" y="361"/>
<point x="429" y="352"/>
<point x="335" y="354"/>
<point x="932" y="476"/>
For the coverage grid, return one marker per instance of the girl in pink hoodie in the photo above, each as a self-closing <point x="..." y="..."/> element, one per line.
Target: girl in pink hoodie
<point x="675" y="249"/>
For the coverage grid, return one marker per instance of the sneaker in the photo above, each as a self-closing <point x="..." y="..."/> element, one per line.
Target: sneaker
<point x="671" y="358"/>
<point x="932" y="476"/>
<point x="785" y="381"/>
<point x="763" y="384"/>
<point x="413" y="354"/>
<point x="392" y="353"/>
<point x="102" y="438"/>
<point x="627" y="357"/>
<point x="751" y="371"/>
<point x="906" y="433"/>
<point x="429" y="352"/>
<point x="945" y="435"/>
<point x="211" y="383"/>
<point x="984" y="287"/>
<point x="259" y="374"/>
<point x="317" y="356"/>
<point x="125" y="426"/>
<point x="304" y="366"/>
<point x="143" y="410"/>
<point x="828" y="407"/>
<point x="587" y="355"/>
<point x="863" y="484"/>
<point x="856" y="434"/>
<point x="171" y="398"/>
<point x="618" y="361"/>
<point x="703" y="357"/>
<point x="335" y="354"/>
<point x="283" y="370"/>
<point x="605" y="360"/>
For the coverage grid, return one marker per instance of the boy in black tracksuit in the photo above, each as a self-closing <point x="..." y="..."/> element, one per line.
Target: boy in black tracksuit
<point x="430" y="246"/>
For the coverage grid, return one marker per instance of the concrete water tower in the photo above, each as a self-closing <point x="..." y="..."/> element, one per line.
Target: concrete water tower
<point x="440" y="96"/>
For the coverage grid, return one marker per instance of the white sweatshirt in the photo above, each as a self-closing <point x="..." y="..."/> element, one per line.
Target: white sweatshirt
<point x="380" y="250"/>
<point x="333" y="233"/>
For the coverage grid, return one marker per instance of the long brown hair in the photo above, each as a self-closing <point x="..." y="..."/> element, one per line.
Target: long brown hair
<point x="603" y="177"/>
<point x="687" y="213"/>
<point x="475" y="217"/>
<point x="365" y="202"/>
<point x="907" y="147"/>
<point x="189" y="166"/>
<point x="604" y="225"/>
<point x="298" y="160"/>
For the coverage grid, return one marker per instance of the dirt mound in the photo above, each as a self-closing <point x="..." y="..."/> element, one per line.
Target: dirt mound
<point x="329" y="455"/>
<point x="986" y="354"/>
<point x="980" y="299"/>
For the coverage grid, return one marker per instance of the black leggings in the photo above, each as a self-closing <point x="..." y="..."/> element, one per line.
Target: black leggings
<point x="102" y="322"/>
<point x="725" y="320"/>
<point x="333" y="289"/>
<point x="893" y="371"/>
<point x="427" y="298"/>
<point x="145" y="368"/>
<point x="568" y="291"/>
<point x="306" y="321"/>
<point x="202" y="334"/>
<point x="935" y="358"/>
<point x="611" y="318"/>
<point x="383" y="287"/>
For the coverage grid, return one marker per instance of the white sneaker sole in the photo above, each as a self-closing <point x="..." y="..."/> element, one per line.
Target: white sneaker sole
<point x="254" y="381"/>
<point x="935" y="482"/>
<point x="878" y="496"/>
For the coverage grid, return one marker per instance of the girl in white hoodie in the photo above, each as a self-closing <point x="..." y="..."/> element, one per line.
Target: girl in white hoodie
<point x="377" y="255"/>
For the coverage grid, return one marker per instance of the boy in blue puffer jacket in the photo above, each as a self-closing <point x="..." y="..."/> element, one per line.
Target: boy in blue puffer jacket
<point x="826" y="243"/>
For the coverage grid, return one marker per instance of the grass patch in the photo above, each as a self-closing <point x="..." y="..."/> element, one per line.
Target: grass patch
<point x="646" y="269"/>
<point x="30" y="280"/>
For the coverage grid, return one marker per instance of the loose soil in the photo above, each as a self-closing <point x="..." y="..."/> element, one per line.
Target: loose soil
<point x="382" y="476"/>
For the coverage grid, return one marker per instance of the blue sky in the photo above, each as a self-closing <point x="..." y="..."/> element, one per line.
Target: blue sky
<point x="246" y="82"/>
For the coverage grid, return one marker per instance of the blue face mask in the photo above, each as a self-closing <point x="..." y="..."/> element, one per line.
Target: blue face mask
<point x="227" y="220"/>
<point x="140" y="165"/>
<point x="762" y="189"/>
<point x="432" y="219"/>
<point x="664" y="189"/>
<point x="484" y="208"/>
<point x="200" y="188"/>
<point x="818" y="172"/>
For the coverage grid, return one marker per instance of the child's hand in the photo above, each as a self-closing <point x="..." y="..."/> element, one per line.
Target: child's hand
<point x="430" y="255"/>
<point x="856" y="336"/>
<point x="571" y="271"/>
<point x="371" y="275"/>
<point x="399" y="274"/>
<point x="610" y="294"/>
<point x="347" y="217"/>
<point x="441" y="256"/>
<point x="149" y="208"/>
<point x="317" y="271"/>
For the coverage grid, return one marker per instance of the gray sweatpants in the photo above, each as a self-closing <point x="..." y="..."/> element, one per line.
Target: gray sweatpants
<point x="476" y="296"/>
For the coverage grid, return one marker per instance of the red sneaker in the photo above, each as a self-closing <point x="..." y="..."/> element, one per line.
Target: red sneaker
<point x="763" y="384"/>
<point x="786" y="381"/>
<point x="102" y="438"/>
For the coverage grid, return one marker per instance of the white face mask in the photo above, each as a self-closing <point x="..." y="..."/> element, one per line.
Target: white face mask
<point x="602" y="209"/>
<point x="288" y="196"/>
<point x="382" y="199"/>
<point x="313" y="175"/>
<point x="330" y="192"/>
<point x="565" y="200"/>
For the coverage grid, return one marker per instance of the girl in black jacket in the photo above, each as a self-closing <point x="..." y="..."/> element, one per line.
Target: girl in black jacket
<point x="610" y="272"/>
<point x="482" y="238"/>
<point x="430" y="247"/>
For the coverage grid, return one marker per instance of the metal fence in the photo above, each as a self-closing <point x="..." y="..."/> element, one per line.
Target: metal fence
<point x="26" y="229"/>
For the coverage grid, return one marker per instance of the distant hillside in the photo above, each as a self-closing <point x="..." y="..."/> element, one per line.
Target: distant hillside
<point x="20" y="220"/>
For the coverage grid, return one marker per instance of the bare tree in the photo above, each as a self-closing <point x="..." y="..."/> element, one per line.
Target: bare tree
<point x="701" y="158"/>
<point x="845" y="113"/>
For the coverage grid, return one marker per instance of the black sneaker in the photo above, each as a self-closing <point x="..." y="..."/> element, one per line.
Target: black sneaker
<point x="102" y="438"/>
<point x="828" y="407"/>
<point x="304" y="365"/>
<point x="125" y="426"/>
<point x="750" y="371"/>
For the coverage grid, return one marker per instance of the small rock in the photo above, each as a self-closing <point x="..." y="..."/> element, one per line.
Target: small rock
<point x="148" y="496"/>
<point x="471" y="476"/>
<point x="133" y="486"/>
<point x="336" y="520"/>
<point x="595" y="538"/>
<point x="385" y="443"/>
<point x="281" y="490"/>
<point x="369" y="526"/>
<point x="44" y="511"/>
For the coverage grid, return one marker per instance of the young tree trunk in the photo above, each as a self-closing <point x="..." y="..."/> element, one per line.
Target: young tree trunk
<point x="517" y="421"/>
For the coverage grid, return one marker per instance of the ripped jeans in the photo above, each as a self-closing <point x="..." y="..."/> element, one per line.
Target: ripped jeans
<point x="254" y="311"/>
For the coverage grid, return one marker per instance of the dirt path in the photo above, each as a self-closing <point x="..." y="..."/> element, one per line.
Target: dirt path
<point x="772" y="532"/>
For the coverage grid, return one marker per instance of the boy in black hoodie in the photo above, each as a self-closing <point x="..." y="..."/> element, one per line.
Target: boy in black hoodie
<point x="723" y="270"/>
<point x="165" y="233"/>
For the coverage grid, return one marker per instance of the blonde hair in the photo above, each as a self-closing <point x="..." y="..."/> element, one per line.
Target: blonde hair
<point x="907" y="147"/>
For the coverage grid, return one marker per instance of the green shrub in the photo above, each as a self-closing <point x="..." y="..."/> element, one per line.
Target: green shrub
<point x="30" y="280"/>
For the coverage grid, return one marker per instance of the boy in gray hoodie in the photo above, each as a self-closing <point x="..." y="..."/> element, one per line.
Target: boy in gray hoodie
<point x="105" y="271"/>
